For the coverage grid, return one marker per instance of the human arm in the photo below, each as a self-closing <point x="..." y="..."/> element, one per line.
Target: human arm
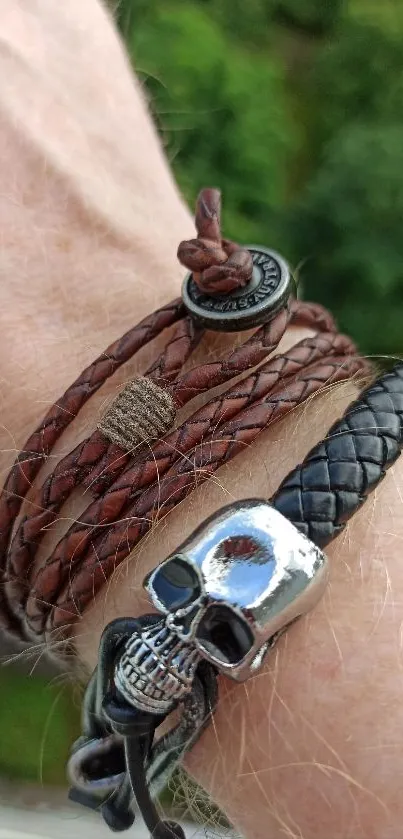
<point x="90" y="223"/>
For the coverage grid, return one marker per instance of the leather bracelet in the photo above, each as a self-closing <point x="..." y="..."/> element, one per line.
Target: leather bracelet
<point x="131" y="487"/>
<point x="235" y="585"/>
<point x="224" y="597"/>
<point x="338" y="474"/>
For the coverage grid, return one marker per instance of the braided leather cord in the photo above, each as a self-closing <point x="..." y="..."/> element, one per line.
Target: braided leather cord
<point x="39" y="445"/>
<point x="117" y="502"/>
<point x="113" y="546"/>
<point x="37" y="598"/>
<point x="148" y="481"/>
<point x="218" y="265"/>
<point x="78" y="466"/>
<point x="112" y="464"/>
<point x="336" y="477"/>
<point x="41" y="442"/>
<point x="72" y="470"/>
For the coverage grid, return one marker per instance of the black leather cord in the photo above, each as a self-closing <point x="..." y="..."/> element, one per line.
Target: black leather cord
<point x="337" y="475"/>
<point x="117" y="755"/>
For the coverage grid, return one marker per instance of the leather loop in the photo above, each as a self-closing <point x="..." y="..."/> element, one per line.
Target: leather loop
<point x="218" y="265"/>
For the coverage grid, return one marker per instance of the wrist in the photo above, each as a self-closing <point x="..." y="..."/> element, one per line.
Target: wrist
<point x="297" y="735"/>
<point x="312" y="741"/>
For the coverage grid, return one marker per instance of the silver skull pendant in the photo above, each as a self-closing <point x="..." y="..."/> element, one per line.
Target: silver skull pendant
<point x="225" y="596"/>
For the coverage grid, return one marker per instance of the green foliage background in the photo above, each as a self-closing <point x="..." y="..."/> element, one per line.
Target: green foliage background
<point x="39" y="721"/>
<point x="294" y="108"/>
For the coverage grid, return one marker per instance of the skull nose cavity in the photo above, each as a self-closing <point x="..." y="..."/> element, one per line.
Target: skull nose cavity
<point x="183" y="624"/>
<point x="224" y="635"/>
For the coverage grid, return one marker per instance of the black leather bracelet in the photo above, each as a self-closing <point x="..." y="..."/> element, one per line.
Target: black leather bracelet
<point x="223" y="599"/>
<point x="338" y="474"/>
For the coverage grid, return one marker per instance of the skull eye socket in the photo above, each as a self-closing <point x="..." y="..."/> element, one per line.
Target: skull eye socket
<point x="224" y="635"/>
<point x="176" y="584"/>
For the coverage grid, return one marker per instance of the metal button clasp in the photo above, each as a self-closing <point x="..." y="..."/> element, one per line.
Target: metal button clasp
<point x="257" y="302"/>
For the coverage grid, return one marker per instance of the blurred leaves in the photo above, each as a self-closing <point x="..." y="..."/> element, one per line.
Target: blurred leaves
<point x="39" y="722"/>
<point x="349" y="225"/>
<point x="224" y="118"/>
<point x="294" y="108"/>
<point x="313" y="16"/>
<point x="359" y="75"/>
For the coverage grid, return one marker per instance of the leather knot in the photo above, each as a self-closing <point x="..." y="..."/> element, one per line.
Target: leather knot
<point x="218" y="265"/>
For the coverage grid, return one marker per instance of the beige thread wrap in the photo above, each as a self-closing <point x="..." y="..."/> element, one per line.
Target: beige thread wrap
<point x="142" y="411"/>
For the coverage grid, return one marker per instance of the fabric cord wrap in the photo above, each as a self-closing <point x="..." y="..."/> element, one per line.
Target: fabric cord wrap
<point x="142" y="411"/>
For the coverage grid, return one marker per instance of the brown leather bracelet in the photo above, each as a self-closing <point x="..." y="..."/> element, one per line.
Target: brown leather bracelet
<point x="131" y="489"/>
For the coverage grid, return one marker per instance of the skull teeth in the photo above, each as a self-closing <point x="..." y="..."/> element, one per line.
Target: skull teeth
<point x="147" y="661"/>
<point x="140" y="657"/>
<point x="139" y="681"/>
<point x="156" y="669"/>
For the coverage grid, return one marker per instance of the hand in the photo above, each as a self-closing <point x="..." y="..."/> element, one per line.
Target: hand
<point x="90" y="224"/>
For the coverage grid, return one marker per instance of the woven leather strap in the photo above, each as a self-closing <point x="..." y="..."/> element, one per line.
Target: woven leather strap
<point x="321" y="494"/>
<point x="106" y="548"/>
<point x="130" y="476"/>
<point x="131" y="489"/>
